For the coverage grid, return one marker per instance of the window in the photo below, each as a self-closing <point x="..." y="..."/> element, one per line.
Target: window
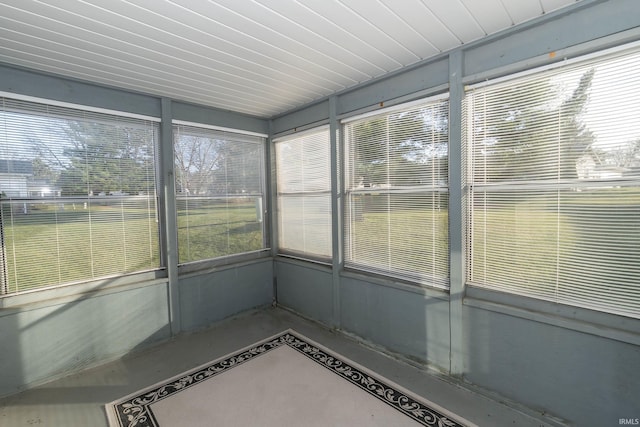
<point x="555" y="184"/>
<point x="303" y="167"/>
<point x="397" y="193"/>
<point x="78" y="195"/>
<point x="219" y="192"/>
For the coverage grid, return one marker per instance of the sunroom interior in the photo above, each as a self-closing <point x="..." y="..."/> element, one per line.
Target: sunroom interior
<point x="452" y="187"/>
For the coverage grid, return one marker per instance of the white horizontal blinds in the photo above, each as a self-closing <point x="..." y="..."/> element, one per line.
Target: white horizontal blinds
<point x="555" y="184"/>
<point x="78" y="195"/>
<point x="397" y="193"/>
<point x="219" y="189"/>
<point x="303" y="168"/>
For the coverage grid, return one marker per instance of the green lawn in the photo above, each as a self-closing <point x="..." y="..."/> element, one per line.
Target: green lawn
<point x="588" y="251"/>
<point x="411" y="241"/>
<point x="61" y="243"/>
<point x="513" y="242"/>
<point x="407" y="242"/>
<point x="215" y="228"/>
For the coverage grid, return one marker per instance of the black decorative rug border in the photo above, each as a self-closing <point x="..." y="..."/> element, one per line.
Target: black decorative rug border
<point x="135" y="411"/>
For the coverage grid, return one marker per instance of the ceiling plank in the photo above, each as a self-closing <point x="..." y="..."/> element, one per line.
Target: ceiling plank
<point x="261" y="57"/>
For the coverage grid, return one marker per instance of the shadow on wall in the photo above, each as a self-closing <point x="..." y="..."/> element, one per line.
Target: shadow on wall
<point x="582" y="378"/>
<point x="47" y="340"/>
<point x="405" y="321"/>
<point x="211" y="297"/>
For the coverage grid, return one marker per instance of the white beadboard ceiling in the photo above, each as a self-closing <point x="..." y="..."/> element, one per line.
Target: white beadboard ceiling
<point x="259" y="57"/>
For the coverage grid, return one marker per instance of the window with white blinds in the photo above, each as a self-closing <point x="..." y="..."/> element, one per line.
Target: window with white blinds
<point x="219" y="192"/>
<point x="303" y="168"/>
<point x="77" y="195"/>
<point x="396" y="189"/>
<point x="554" y="184"/>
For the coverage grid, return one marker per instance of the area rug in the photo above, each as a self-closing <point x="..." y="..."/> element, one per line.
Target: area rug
<point x="286" y="379"/>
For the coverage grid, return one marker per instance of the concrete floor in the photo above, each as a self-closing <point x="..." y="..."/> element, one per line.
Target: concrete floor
<point x="79" y="399"/>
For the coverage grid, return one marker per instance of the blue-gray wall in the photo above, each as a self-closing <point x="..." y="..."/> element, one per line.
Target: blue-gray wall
<point x="574" y="364"/>
<point x="305" y="288"/>
<point x="42" y="341"/>
<point x="587" y="379"/>
<point x="409" y="320"/>
<point x="207" y="298"/>
<point x="47" y="339"/>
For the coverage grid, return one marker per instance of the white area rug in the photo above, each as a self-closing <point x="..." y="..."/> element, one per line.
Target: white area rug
<point x="284" y="380"/>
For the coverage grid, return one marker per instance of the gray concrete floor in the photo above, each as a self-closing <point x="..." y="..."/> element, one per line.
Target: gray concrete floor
<point x="79" y="399"/>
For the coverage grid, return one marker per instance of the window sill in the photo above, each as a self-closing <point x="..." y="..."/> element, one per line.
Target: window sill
<point x="606" y="325"/>
<point x="304" y="262"/>
<point x="414" y="287"/>
<point x="45" y="297"/>
<point x="217" y="264"/>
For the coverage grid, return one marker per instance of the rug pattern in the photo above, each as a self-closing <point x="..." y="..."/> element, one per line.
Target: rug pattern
<point x="135" y="411"/>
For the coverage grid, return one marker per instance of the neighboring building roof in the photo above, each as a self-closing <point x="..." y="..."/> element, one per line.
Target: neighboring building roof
<point x="22" y="167"/>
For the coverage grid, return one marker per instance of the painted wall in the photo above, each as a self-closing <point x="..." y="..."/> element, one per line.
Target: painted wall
<point x="586" y="379"/>
<point x="408" y="320"/>
<point x="209" y="297"/>
<point x="305" y="289"/>
<point x="404" y="319"/>
<point x="43" y="341"/>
